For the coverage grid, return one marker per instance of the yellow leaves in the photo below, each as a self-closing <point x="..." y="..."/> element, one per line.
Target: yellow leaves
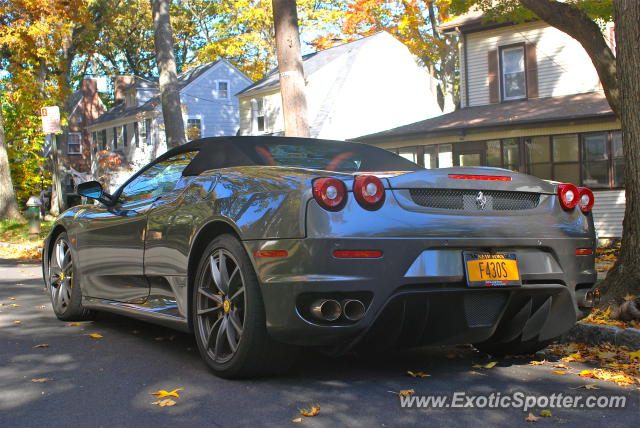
<point x="605" y="355"/>
<point x="490" y="365"/>
<point x="167" y="402"/>
<point x="417" y="374"/>
<point x="406" y="392"/>
<point x="561" y="366"/>
<point x="17" y="322"/>
<point x="531" y="418"/>
<point x="313" y="411"/>
<point x="162" y="393"/>
<point x="634" y="355"/>
<point x="41" y="380"/>
<point x="296" y="420"/>
<point x="628" y="297"/>
<point x="72" y="324"/>
<point x="41" y="307"/>
<point x="575" y="357"/>
<point x="537" y="363"/>
<point x="560" y="372"/>
<point x="618" y="377"/>
<point x="95" y="336"/>
<point x="42" y="345"/>
<point x="545" y="413"/>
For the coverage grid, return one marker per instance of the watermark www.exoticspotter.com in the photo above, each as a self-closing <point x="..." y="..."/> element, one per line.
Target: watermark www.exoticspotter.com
<point x="517" y="400"/>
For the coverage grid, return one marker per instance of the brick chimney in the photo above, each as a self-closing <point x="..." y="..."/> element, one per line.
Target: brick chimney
<point x="121" y="83"/>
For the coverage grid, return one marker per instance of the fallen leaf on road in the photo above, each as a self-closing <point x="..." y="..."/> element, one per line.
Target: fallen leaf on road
<point x="531" y="418"/>
<point x="586" y="373"/>
<point x="477" y="373"/>
<point x="41" y="380"/>
<point x="634" y="355"/>
<point x="606" y="355"/>
<point x="537" y="363"/>
<point x="42" y="345"/>
<point x="41" y="307"/>
<point x="12" y="298"/>
<point x="561" y="366"/>
<point x="162" y="393"/>
<point x="17" y="322"/>
<point x="545" y="413"/>
<point x="575" y="357"/>
<point x="19" y="284"/>
<point x="587" y="386"/>
<point x="313" y="411"/>
<point x="559" y="372"/>
<point x="406" y="392"/>
<point x="296" y="420"/>
<point x="72" y="324"/>
<point x="165" y="403"/>
<point x="13" y="305"/>
<point x="490" y="365"/>
<point x="95" y="335"/>
<point x="417" y="374"/>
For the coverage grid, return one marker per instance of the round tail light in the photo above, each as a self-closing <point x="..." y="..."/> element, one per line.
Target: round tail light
<point x="569" y="197"/>
<point x="330" y="193"/>
<point x="368" y="191"/>
<point x="586" y="199"/>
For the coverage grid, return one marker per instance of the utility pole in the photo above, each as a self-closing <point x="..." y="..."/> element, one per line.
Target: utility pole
<point x="292" y="85"/>
<point x="169" y="94"/>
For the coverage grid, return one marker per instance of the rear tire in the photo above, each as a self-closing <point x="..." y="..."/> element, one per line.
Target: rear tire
<point x="64" y="289"/>
<point x="515" y="347"/>
<point x="229" y="318"/>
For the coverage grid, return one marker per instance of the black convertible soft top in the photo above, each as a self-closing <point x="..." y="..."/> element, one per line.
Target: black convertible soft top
<point x="225" y="152"/>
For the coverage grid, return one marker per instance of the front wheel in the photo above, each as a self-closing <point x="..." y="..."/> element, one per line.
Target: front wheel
<point x="64" y="289"/>
<point x="229" y="318"/>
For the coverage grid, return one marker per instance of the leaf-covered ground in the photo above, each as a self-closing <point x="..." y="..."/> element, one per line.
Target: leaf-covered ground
<point x="17" y="232"/>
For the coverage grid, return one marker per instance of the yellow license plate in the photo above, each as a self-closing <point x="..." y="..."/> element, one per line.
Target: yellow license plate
<point x="491" y="270"/>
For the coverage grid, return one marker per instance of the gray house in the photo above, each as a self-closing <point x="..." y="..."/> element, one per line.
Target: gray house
<point x="131" y="133"/>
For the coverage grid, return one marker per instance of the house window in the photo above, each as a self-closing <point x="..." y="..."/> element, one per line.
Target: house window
<point x="74" y="143"/>
<point x="618" y="159"/>
<point x="136" y="134"/>
<point x="194" y="129"/>
<point x="512" y="73"/>
<point x="595" y="158"/>
<point x="125" y="137"/>
<point x="223" y="89"/>
<point x="102" y="136"/>
<point x="258" y="112"/>
<point x="409" y="153"/>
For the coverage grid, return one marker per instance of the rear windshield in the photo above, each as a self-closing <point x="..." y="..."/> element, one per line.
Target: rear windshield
<point x="326" y="155"/>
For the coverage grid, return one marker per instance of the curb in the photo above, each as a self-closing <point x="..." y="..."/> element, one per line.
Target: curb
<point x="20" y="246"/>
<point x="595" y="334"/>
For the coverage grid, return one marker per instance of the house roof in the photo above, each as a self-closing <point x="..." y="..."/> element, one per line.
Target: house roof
<point x="119" y="111"/>
<point x="313" y="62"/>
<point x="472" y="17"/>
<point x="569" y="107"/>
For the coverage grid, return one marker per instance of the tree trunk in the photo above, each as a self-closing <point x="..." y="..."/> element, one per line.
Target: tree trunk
<point x="8" y="204"/>
<point x="624" y="277"/>
<point x="292" y="85"/>
<point x="169" y="93"/>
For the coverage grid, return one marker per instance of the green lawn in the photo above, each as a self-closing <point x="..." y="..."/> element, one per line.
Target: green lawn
<point x="17" y="232"/>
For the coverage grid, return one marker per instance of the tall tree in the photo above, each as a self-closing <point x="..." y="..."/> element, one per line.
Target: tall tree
<point x="8" y="204"/>
<point x="620" y="80"/>
<point x="169" y="93"/>
<point x="292" y="84"/>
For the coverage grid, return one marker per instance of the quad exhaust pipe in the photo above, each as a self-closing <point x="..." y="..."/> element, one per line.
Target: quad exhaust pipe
<point x="353" y="310"/>
<point x="326" y="309"/>
<point x="331" y="310"/>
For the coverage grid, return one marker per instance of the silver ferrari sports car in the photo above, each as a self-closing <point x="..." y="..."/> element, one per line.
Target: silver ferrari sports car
<point x="261" y="245"/>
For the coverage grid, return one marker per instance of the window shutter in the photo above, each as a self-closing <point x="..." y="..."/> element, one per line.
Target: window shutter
<point x="531" y="65"/>
<point x="494" y="90"/>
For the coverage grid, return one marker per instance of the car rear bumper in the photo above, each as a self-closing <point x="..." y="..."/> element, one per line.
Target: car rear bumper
<point x="416" y="293"/>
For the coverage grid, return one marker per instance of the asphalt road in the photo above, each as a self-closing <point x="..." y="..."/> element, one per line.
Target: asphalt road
<point x="106" y="382"/>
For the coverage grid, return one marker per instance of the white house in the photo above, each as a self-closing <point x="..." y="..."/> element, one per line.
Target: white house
<point x="130" y="134"/>
<point x="356" y="88"/>
<point x="531" y="102"/>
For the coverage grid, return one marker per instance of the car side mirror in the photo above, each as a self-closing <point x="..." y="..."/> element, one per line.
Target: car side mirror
<point x="93" y="190"/>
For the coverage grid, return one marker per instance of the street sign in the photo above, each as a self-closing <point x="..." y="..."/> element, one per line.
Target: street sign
<point x="50" y="120"/>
